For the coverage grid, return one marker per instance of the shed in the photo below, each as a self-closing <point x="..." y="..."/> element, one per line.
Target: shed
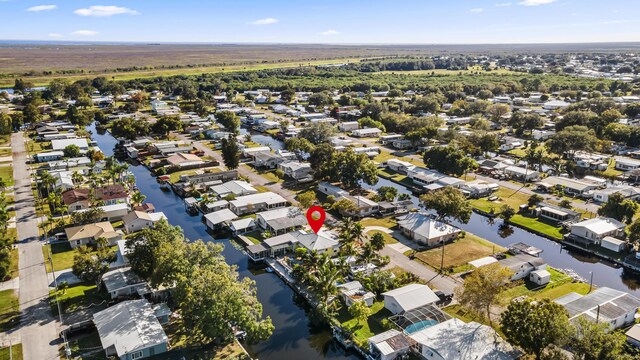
<point x="540" y="277"/>
<point x="612" y="244"/>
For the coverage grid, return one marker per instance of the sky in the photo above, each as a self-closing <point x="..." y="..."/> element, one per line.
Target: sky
<point x="326" y="21"/>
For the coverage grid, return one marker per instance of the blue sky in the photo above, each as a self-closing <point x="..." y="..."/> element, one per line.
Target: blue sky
<point x="327" y="21"/>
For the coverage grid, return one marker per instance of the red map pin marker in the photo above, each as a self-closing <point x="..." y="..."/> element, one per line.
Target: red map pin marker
<point x="315" y="217"/>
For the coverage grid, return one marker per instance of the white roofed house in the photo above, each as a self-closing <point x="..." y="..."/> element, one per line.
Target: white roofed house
<point x="425" y="230"/>
<point x="477" y="189"/>
<point x="63" y="180"/>
<point x="235" y="187"/>
<point x="432" y="180"/>
<point x="122" y="282"/>
<point x="219" y="218"/>
<point x="280" y="221"/>
<point x="390" y="345"/>
<point x="138" y="220"/>
<point x="593" y="231"/>
<point x="348" y="126"/>
<point x="353" y="292"/>
<point x="181" y="160"/>
<point x="249" y="204"/>
<point x="454" y="339"/>
<point x="366" y="132"/>
<point x="628" y="192"/>
<point x="522" y="265"/>
<point x="324" y="242"/>
<point x="409" y="297"/>
<point x="61" y="144"/>
<point x="626" y="163"/>
<point x="130" y="330"/>
<point x="242" y="226"/>
<point x="522" y="174"/>
<point x="604" y="305"/>
<point x="399" y="166"/>
<point x="297" y="170"/>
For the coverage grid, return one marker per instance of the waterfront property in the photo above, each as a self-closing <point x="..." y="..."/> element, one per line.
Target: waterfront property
<point x="555" y="213"/>
<point x="257" y="202"/>
<point x="425" y="230"/>
<point x="324" y="242"/>
<point x="353" y="292"/>
<point x="593" y="231"/>
<point x="523" y="265"/>
<point x="233" y="187"/>
<point x="218" y="219"/>
<point x="130" y="330"/>
<point x="76" y="199"/>
<point x="604" y="305"/>
<point x="138" y="220"/>
<point x="89" y="233"/>
<point x="390" y="345"/>
<point x="572" y="187"/>
<point x="279" y="221"/>
<point x="628" y="192"/>
<point x="409" y="297"/>
<point x="111" y="212"/>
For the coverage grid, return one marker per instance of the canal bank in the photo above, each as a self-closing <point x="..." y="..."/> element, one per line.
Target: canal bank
<point x="604" y="273"/>
<point x="296" y="335"/>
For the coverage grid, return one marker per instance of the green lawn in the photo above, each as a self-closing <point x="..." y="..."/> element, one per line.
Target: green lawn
<point x="175" y="177"/>
<point x="5" y="140"/>
<point x="385" y="155"/>
<point x="364" y="330"/>
<point x="391" y="175"/>
<point x="76" y="297"/>
<point x="10" y="312"/>
<point x="62" y="255"/>
<point x="254" y="236"/>
<point x="388" y="223"/>
<point x="182" y="346"/>
<point x="558" y="284"/>
<point x="13" y="268"/>
<point x="6" y="174"/>
<point x="537" y="224"/>
<point x="459" y="253"/>
<point x="388" y="239"/>
<point x="611" y="170"/>
<point x="89" y="341"/>
<point x="38" y="147"/>
<point x="16" y="352"/>
<point x="505" y="196"/>
<point x="270" y="176"/>
<point x="5" y="152"/>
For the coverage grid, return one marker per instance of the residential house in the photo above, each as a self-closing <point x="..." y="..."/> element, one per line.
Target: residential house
<point x="399" y="166"/>
<point x="626" y="164"/>
<point x="353" y="292"/>
<point x="556" y="213"/>
<point x="572" y="187"/>
<point x="120" y="330"/>
<point x="510" y="143"/>
<point x="76" y="199"/>
<point x="521" y="174"/>
<point x="67" y="164"/>
<point x="242" y="226"/>
<point x="251" y="151"/>
<point x="89" y="233"/>
<point x="522" y="265"/>
<point x="322" y="242"/>
<point x="112" y="194"/>
<point x="555" y="105"/>
<point x="138" y="220"/>
<point x="282" y="220"/>
<point x="49" y="156"/>
<point x="61" y="144"/>
<point x="348" y="126"/>
<point x="248" y="204"/>
<point x="628" y="192"/>
<point x="181" y="160"/>
<point x="63" y="180"/>
<point x="363" y="207"/>
<point x="219" y="218"/>
<point x="122" y="283"/>
<point x="603" y="305"/>
<point x="433" y="180"/>
<point x="423" y="229"/>
<point x="233" y="187"/>
<point x="478" y="189"/>
<point x="111" y="212"/>
<point x="390" y="345"/>
<point x="596" y="229"/>
<point x="297" y="170"/>
<point x="366" y="132"/>
<point x="409" y="297"/>
<point x="267" y="160"/>
<point x="454" y="339"/>
<point x="215" y="206"/>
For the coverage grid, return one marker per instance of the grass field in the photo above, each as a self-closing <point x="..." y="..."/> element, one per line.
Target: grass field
<point x="470" y="70"/>
<point x="77" y="297"/>
<point x="537" y="224"/>
<point x="364" y="330"/>
<point x="5" y="140"/>
<point x="5" y="151"/>
<point x="62" y="255"/>
<point x="15" y="353"/>
<point x="10" y="312"/>
<point x="6" y="174"/>
<point x="505" y="196"/>
<point x="459" y="253"/>
<point x="181" y="348"/>
<point x="388" y="239"/>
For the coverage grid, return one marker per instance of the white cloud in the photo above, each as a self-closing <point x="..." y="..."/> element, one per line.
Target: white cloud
<point x="536" y="2"/>
<point x="330" y="32"/>
<point x="502" y="4"/>
<point x="477" y="10"/>
<point x="615" y="22"/>
<point x="103" y="11"/>
<point x="55" y="35"/>
<point x="265" y="21"/>
<point x="41" y="8"/>
<point x="84" y="33"/>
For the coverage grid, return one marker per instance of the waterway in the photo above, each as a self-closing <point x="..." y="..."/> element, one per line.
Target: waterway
<point x="604" y="274"/>
<point x="264" y="140"/>
<point x="296" y="335"/>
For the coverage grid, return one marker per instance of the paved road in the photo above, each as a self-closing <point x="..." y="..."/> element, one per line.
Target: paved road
<point x="38" y="328"/>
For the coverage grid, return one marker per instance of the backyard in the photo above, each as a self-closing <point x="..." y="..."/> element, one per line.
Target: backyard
<point x="457" y="254"/>
<point x="62" y="255"/>
<point x="77" y="297"/>
<point x="364" y="330"/>
<point x="10" y="306"/>
<point x="6" y="174"/>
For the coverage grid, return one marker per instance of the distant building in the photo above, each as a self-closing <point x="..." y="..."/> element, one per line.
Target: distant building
<point x="594" y="230"/>
<point x="603" y="305"/>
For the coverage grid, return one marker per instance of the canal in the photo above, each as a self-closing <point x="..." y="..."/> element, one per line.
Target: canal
<point x="603" y="273"/>
<point x="296" y="335"/>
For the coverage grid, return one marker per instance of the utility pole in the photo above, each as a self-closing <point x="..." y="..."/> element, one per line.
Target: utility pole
<point x="591" y="284"/>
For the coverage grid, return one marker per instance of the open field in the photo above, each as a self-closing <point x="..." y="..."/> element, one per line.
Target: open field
<point x="15" y="353"/>
<point x="459" y="253"/>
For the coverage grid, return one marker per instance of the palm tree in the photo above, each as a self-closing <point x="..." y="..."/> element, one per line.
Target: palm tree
<point x="102" y="242"/>
<point x="137" y="198"/>
<point x="77" y="177"/>
<point x="357" y="231"/>
<point x="377" y="241"/>
<point x="325" y="284"/>
<point x="47" y="180"/>
<point x="367" y="255"/>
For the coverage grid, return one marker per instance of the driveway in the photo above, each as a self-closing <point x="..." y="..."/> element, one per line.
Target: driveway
<point x="37" y="328"/>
